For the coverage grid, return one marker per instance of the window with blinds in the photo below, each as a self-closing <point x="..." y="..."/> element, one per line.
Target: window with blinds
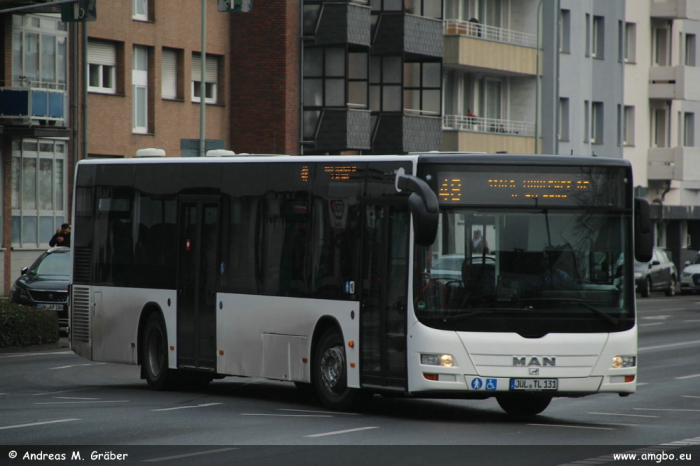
<point x="211" y="73"/>
<point x="102" y="63"/>
<point x="169" y="75"/>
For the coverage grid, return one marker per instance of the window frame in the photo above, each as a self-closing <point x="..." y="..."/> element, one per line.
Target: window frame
<point x="21" y="151"/>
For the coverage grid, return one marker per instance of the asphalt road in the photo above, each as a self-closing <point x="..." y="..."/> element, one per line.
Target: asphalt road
<point x="54" y="401"/>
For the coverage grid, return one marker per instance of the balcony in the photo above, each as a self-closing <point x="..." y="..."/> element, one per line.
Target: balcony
<point x="461" y="133"/>
<point x="674" y="82"/>
<point x="34" y="105"/>
<point x="399" y="134"/>
<point x="480" y="47"/>
<point x="398" y="33"/>
<point x="673" y="163"/>
<point x="490" y="33"/>
<point x="675" y="9"/>
<point x="343" y="129"/>
<point x="343" y="23"/>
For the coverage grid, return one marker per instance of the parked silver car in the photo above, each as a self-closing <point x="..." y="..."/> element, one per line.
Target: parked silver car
<point x="690" y="277"/>
<point x="659" y="274"/>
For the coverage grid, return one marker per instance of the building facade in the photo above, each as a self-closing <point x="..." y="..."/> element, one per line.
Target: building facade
<point x="662" y="99"/>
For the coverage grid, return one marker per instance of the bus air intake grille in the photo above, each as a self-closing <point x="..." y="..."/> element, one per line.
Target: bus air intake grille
<point x="80" y="314"/>
<point x="81" y="264"/>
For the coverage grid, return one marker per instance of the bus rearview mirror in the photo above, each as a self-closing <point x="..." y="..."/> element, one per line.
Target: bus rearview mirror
<point x="423" y="204"/>
<point x="643" y="234"/>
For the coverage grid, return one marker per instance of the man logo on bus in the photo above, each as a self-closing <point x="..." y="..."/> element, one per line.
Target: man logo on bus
<point x="534" y="361"/>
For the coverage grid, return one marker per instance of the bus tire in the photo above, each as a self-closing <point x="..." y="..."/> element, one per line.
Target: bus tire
<point x="330" y="376"/>
<point x="155" y="354"/>
<point x="523" y="404"/>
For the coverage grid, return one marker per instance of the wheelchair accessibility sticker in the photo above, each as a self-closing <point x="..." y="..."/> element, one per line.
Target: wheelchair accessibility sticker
<point x="489" y="384"/>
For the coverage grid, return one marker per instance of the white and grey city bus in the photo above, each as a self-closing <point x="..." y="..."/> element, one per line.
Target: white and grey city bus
<point x="326" y="271"/>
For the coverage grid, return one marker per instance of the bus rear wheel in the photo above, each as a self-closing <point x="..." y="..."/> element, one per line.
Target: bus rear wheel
<point x="524" y="404"/>
<point x="330" y="377"/>
<point x="155" y="354"/>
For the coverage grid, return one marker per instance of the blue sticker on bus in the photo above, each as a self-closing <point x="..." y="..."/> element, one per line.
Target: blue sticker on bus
<point x="477" y="384"/>
<point x="491" y="384"/>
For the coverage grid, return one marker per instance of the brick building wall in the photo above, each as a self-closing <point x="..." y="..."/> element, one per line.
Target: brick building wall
<point x="174" y="24"/>
<point x="265" y="82"/>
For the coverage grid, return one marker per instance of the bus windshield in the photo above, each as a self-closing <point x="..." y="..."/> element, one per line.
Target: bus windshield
<point x="530" y="271"/>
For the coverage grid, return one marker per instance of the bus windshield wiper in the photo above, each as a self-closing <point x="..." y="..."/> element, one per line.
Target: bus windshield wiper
<point x="483" y="310"/>
<point x="585" y="303"/>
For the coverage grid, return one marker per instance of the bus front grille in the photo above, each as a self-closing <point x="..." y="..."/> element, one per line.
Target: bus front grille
<point x="80" y="314"/>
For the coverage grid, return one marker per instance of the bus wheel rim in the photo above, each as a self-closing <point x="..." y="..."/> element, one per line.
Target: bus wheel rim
<point x="332" y="367"/>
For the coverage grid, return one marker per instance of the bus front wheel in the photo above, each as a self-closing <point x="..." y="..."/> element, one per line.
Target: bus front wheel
<point x="524" y="404"/>
<point x="155" y="354"/>
<point x="330" y="374"/>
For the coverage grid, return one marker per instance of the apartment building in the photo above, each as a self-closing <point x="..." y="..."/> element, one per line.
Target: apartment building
<point x="662" y="99"/>
<point x="306" y="76"/>
<point x="490" y="75"/>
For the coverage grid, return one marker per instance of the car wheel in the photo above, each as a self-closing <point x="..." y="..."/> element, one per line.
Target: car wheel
<point x="671" y="290"/>
<point x="646" y="288"/>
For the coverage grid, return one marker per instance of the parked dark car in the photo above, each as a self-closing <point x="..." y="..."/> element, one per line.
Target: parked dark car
<point x="659" y="274"/>
<point x="44" y="284"/>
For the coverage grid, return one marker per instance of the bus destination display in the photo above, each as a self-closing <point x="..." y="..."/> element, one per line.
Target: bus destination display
<point x="490" y="188"/>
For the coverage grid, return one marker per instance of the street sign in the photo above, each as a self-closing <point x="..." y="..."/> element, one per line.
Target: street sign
<point x="234" y="6"/>
<point x="79" y="11"/>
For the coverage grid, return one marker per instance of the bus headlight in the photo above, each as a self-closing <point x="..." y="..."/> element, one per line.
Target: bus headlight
<point x="618" y="362"/>
<point x="444" y="360"/>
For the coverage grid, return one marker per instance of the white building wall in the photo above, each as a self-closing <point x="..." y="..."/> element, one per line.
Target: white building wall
<point x="636" y="92"/>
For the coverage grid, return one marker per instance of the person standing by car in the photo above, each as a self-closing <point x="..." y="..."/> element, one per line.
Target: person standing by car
<point x="62" y="236"/>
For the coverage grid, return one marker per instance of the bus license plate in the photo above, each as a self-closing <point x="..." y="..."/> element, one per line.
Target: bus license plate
<point x="50" y="307"/>
<point x="533" y="384"/>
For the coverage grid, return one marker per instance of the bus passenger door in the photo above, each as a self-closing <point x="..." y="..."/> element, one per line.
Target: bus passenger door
<point x="384" y="289"/>
<point x="198" y="250"/>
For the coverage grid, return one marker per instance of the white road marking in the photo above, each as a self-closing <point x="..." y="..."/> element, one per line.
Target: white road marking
<point x="690" y="396"/>
<point x="672" y="345"/>
<point x="187" y="455"/>
<point x="688" y="377"/>
<point x="321" y="412"/>
<point x="79" y="365"/>
<point x="643" y="383"/>
<point x="656" y="317"/>
<point x="338" y="432"/>
<point x="34" y="354"/>
<point x="651" y="325"/>
<point x="572" y="427"/>
<point x="81" y="402"/>
<point x="69" y="391"/>
<point x="668" y="409"/>
<point x="286" y="415"/>
<point x="691" y="321"/>
<point x="32" y="424"/>
<point x="629" y="415"/>
<point x="187" y="407"/>
<point x="73" y="398"/>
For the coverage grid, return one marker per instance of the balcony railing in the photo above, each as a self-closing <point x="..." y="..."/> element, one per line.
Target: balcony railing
<point x="488" y="125"/>
<point x="492" y="33"/>
<point x="40" y="103"/>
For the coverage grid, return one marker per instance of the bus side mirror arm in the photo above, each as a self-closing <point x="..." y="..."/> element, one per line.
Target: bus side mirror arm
<point x="643" y="234"/>
<point x="423" y="204"/>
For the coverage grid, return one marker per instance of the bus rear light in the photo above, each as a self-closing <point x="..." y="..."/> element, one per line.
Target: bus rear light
<point x="433" y="377"/>
<point x="629" y="378"/>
